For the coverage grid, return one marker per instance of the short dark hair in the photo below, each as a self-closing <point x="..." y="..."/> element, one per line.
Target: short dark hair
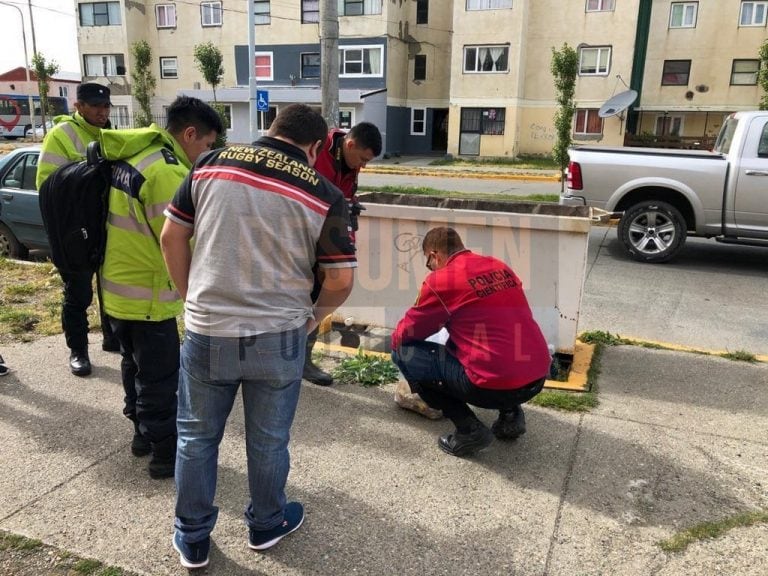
<point x="188" y="111"/>
<point x="300" y="124"/>
<point x="366" y="136"/>
<point x="444" y="239"/>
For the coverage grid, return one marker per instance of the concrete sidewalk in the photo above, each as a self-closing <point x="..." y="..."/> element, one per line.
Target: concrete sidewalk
<point x="677" y="439"/>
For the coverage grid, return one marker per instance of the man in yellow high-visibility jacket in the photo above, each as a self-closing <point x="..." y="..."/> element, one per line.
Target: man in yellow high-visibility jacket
<point x="67" y="142"/>
<point x="149" y="165"/>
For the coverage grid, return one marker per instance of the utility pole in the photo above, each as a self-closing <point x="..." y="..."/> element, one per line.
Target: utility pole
<point x="253" y="109"/>
<point x="30" y="103"/>
<point x="329" y="61"/>
<point x="34" y="56"/>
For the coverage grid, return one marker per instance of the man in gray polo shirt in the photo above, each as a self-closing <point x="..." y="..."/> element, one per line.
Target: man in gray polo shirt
<point x="261" y="217"/>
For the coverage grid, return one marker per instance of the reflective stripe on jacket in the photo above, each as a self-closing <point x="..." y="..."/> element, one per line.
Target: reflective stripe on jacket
<point x="66" y="142"/>
<point x="149" y="165"/>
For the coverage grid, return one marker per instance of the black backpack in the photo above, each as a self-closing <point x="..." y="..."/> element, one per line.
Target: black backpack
<point x="74" y="202"/>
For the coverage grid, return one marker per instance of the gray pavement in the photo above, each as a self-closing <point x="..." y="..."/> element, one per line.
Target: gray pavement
<point x="677" y="439"/>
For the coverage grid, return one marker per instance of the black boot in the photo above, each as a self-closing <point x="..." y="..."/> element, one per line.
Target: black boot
<point x="140" y="446"/>
<point x="79" y="363"/>
<point x="470" y="436"/>
<point x="510" y="425"/>
<point x="163" y="462"/>
<point x="312" y="372"/>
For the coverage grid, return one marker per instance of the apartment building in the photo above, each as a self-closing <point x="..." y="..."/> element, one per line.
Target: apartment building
<point x="466" y="77"/>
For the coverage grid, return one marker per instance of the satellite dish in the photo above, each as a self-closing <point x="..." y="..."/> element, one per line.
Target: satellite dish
<point x="617" y="104"/>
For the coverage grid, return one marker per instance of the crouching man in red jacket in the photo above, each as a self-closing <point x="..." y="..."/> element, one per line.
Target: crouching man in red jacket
<point x="496" y="356"/>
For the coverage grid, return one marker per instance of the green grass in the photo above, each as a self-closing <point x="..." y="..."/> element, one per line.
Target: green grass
<point x="715" y="529"/>
<point x="10" y="541"/>
<point x="740" y="356"/>
<point x="366" y="369"/>
<point x="25" y="289"/>
<point x="426" y="191"/>
<point x="87" y="566"/>
<point x="522" y="162"/>
<point x="574" y="401"/>
<point x="18" y="321"/>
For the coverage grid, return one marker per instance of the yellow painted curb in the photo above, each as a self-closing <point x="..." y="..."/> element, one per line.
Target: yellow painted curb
<point x="577" y="376"/>
<point x="683" y="348"/>
<point x="452" y="174"/>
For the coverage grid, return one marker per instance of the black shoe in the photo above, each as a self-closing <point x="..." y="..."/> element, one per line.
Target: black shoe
<point x="466" y="444"/>
<point x="112" y="345"/>
<point x="509" y="425"/>
<point x="79" y="363"/>
<point x="140" y="445"/>
<point x="315" y="375"/>
<point x="163" y="462"/>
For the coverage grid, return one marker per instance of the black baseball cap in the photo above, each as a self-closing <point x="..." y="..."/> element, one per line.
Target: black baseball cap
<point x="93" y="94"/>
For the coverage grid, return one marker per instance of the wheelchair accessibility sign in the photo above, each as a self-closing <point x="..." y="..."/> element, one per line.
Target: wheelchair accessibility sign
<point x="262" y="101"/>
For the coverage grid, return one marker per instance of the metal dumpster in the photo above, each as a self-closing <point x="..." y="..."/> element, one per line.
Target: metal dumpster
<point x="545" y="244"/>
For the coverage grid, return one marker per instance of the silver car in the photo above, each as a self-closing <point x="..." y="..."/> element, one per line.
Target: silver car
<point x="21" y="226"/>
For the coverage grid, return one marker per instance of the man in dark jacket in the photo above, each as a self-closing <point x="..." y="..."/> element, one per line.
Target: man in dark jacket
<point x="340" y="160"/>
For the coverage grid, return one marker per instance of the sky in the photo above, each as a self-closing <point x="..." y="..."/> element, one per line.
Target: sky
<point x="55" y="33"/>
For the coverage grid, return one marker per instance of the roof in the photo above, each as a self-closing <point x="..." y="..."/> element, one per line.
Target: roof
<point x="18" y="74"/>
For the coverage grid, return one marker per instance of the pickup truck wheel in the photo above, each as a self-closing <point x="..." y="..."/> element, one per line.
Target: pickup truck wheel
<point x="10" y="247"/>
<point x="652" y="231"/>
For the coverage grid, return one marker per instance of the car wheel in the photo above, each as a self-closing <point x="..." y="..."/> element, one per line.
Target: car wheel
<point x="652" y="231"/>
<point x="10" y="247"/>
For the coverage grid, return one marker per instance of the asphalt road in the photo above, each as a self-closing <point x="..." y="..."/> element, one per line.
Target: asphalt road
<point x="711" y="296"/>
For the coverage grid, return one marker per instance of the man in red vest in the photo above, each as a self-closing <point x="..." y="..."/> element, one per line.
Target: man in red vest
<point x="495" y="357"/>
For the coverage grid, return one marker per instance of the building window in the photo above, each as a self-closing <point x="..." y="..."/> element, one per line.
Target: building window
<point x="100" y="14"/>
<point x="594" y="61"/>
<point x="165" y="15"/>
<point x="169" y="67"/>
<point x="488" y="4"/>
<point x="489" y="121"/>
<point x="418" y="121"/>
<point x="119" y="117"/>
<point x="261" y="12"/>
<point x="359" y="7"/>
<point x="263" y="66"/>
<point x="744" y="72"/>
<point x="64" y="91"/>
<point x="486" y="58"/>
<point x="420" y="67"/>
<point x="683" y="14"/>
<point x="667" y="125"/>
<point x="310" y="65"/>
<point x="355" y="61"/>
<point x="422" y="11"/>
<point x="345" y="119"/>
<point x="599" y="5"/>
<point x="676" y="73"/>
<point x="587" y="121"/>
<point x="104" y="64"/>
<point x="753" y="13"/>
<point x="210" y="14"/>
<point x="310" y="11"/>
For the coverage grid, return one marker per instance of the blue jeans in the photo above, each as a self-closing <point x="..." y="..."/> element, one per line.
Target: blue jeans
<point x="441" y="381"/>
<point x="269" y="368"/>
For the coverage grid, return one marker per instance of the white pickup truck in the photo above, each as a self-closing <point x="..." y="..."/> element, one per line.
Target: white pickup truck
<point x="662" y="196"/>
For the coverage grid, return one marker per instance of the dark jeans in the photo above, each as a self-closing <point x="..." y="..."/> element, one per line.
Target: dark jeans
<point x="439" y="378"/>
<point x="78" y="295"/>
<point x="150" y="370"/>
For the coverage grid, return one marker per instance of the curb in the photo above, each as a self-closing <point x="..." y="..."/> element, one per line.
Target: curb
<point x="461" y="174"/>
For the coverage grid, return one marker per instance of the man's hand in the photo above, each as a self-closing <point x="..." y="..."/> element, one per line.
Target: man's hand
<point x="355" y="208"/>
